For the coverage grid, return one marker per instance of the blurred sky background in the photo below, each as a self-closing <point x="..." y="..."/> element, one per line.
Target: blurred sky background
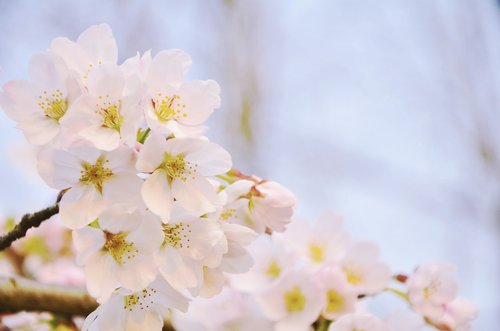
<point x="385" y="111"/>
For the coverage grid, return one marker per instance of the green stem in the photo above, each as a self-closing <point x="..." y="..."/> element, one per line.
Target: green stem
<point x="398" y="292"/>
<point x="323" y="324"/>
<point x="141" y="137"/>
<point x="226" y="178"/>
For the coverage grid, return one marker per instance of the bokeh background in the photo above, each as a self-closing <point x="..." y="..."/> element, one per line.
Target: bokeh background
<point x="385" y="111"/>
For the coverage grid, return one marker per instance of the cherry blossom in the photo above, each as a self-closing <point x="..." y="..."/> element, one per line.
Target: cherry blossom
<point x="358" y="321"/>
<point x="179" y="169"/>
<point x="95" y="179"/>
<point x="39" y="105"/>
<point x="119" y="252"/>
<point x="432" y="286"/>
<point x="293" y="303"/>
<point x="140" y="310"/>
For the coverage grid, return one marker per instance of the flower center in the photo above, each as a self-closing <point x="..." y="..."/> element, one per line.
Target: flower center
<point x="273" y="270"/>
<point x="143" y="299"/>
<point x="177" y="167"/>
<point x="119" y="248"/>
<point x="228" y="213"/>
<point x="295" y="301"/>
<point x="335" y="301"/>
<point x="317" y="253"/>
<point x="353" y="277"/>
<point x="95" y="174"/>
<point x="431" y="289"/>
<point x="110" y="113"/>
<point x="176" y="235"/>
<point x="111" y="118"/>
<point x="167" y="108"/>
<point x="53" y="106"/>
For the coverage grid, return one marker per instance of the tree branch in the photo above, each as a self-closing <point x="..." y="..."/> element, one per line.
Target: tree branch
<point x="28" y="221"/>
<point x="18" y="294"/>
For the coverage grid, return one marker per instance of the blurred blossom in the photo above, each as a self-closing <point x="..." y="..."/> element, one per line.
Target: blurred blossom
<point x="385" y="110"/>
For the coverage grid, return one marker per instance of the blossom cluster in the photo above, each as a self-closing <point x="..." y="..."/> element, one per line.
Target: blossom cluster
<point x="313" y="276"/>
<point x="160" y="221"/>
<point x="152" y="224"/>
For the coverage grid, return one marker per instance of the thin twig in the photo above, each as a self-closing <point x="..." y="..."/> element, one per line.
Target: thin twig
<point x="27" y="222"/>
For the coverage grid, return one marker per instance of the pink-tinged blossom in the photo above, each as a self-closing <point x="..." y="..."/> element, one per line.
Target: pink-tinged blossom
<point x="318" y="243"/>
<point x="431" y="287"/>
<point x="259" y="204"/>
<point x="294" y="303"/>
<point x="271" y="263"/>
<point x="458" y="315"/>
<point x="228" y="311"/>
<point x="363" y="270"/>
<point x="339" y="298"/>
<point x="357" y="321"/>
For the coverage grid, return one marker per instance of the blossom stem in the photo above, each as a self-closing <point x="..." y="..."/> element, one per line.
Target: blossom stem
<point x="143" y="135"/>
<point x="323" y="324"/>
<point x="398" y="292"/>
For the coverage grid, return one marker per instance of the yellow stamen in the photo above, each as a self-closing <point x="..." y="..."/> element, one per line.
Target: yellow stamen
<point x="295" y="300"/>
<point x="95" y="174"/>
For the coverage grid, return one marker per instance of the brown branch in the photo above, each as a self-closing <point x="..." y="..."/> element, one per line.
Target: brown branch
<point x="20" y="294"/>
<point x="29" y="221"/>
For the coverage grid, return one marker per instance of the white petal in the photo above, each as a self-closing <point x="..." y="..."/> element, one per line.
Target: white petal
<point x="80" y="206"/>
<point x="87" y="241"/>
<point x="123" y="187"/>
<point x="99" y="275"/>
<point x="180" y="270"/>
<point x="195" y="194"/>
<point x="151" y="154"/>
<point x="59" y="169"/>
<point x="168" y="67"/>
<point x="201" y="98"/>
<point x="99" y="43"/>
<point x="157" y="194"/>
<point x="103" y="138"/>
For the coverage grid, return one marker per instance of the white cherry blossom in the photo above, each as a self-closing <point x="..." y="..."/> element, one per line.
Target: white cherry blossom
<point x="188" y="245"/>
<point x="108" y="114"/>
<point x="363" y="270"/>
<point x="179" y="168"/>
<point x="141" y="310"/>
<point x="120" y="253"/>
<point x="94" y="47"/>
<point x="272" y="261"/>
<point x="365" y="322"/>
<point x="95" y="180"/>
<point x="39" y="105"/>
<point x="323" y="241"/>
<point x="175" y="106"/>
<point x="293" y="303"/>
<point x="339" y="298"/>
